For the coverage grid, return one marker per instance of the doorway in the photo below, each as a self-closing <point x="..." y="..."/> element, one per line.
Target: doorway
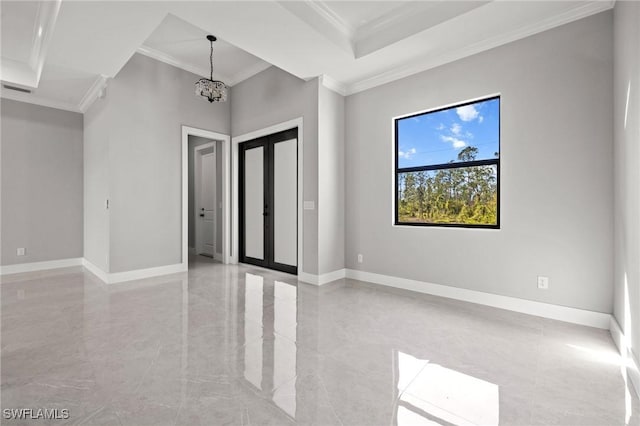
<point x="213" y="163"/>
<point x="268" y="201"/>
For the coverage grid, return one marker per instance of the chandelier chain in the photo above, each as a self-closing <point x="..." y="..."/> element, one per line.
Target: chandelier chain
<point x="211" y="61"/>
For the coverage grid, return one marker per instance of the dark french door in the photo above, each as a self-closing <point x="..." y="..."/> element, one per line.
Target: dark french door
<point x="268" y="200"/>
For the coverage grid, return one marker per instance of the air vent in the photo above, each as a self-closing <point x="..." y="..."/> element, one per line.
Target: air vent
<point x="17" y="89"/>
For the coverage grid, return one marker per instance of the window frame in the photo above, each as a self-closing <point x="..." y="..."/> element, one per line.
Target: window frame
<point x="443" y="166"/>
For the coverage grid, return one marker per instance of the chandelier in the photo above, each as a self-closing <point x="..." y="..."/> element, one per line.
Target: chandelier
<point x="213" y="90"/>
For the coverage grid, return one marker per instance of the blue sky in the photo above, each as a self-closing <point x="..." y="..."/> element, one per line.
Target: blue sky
<point x="438" y="137"/>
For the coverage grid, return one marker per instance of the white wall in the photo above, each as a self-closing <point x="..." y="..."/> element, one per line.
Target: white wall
<point x="271" y="97"/>
<point x="331" y="202"/>
<point x="41" y="183"/>
<point x="556" y="172"/>
<point x="145" y="106"/>
<point x="627" y="170"/>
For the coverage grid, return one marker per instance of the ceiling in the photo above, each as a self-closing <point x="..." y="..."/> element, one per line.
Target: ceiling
<point x="66" y="51"/>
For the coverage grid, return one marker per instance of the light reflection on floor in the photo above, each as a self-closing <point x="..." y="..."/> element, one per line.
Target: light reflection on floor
<point x="242" y="345"/>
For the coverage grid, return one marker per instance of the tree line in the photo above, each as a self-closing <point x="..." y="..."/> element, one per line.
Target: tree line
<point x="464" y="195"/>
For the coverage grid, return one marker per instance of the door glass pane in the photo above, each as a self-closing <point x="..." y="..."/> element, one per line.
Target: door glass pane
<point x="254" y="202"/>
<point x="285" y="196"/>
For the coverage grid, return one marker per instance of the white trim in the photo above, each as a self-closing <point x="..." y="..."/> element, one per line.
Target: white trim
<point x="296" y="122"/>
<point x="630" y="361"/>
<point x="173" y="61"/>
<point x="530" y="307"/>
<point x="102" y="275"/>
<point x="323" y="278"/>
<point x="226" y="179"/>
<point x="333" y="84"/>
<point x="93" y="93"/>
<point x="27" y="73"/>
<point x="138" y="274"/>
<point x="587" y="9"/>
<point x="30" y="98"/>
<point x="228" y="80"/>
<point x="324" y="11"/>
<point x="46" y="19"/>
<point x="40" y="266"/>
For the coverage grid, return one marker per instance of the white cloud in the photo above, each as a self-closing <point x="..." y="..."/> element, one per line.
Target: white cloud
<point x="456" y="129"/>
<point x="480" y="119"/>
<point x="407" y="154"/>
<point x="457" y="143"/>
<point x="467" y="112"/>
<point x="440" y="127"/>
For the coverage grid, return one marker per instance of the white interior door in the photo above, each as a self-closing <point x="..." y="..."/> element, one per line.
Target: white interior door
<point x="206" y="200"/>
<point x="254" y="203"/>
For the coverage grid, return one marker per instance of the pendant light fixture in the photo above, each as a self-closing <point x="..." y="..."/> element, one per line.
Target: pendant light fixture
<point x="213" y="90"/>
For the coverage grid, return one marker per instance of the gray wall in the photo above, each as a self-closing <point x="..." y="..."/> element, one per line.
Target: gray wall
<point x="330" y="181"/>
<point x="195" y="141"/>
<point x="556" y="172"/>
<point x="41" y="183"/>
<point x="271" y="97"/>
<point x="145" y="106"/>
<point x="627" y="169"/>
<point x="96" y="185"/>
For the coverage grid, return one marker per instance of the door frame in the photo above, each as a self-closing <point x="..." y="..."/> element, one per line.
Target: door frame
<point x="235" y="141"/>
<point x="197" y="184"/>
<point x="226" y="179"/>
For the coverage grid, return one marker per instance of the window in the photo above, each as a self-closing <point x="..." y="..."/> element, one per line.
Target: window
<point x="447" y="166"/>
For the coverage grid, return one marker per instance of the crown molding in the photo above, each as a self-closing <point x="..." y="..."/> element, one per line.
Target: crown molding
<point x="319" y="16"/>
<point x="332" y="84"/>
<point x="170" y="60"/>
<point x="93" y="93"/>
<point x="390" y="19"/>
<point x="42" y="34"/>
<point x="323" y="10"/>
<point x="424" y="64"/>
<point x="32" y="99"/>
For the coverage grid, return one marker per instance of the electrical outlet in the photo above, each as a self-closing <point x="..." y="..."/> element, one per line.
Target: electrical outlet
<point x="359" y="258"/>
<point x="543" y="283"/>
<point x="21" y="251"/>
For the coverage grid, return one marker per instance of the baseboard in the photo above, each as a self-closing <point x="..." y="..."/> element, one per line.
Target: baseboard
<point x="632" y="366"/>
<point x="137" y="274"/>
<point x="40" y="266"/>
<point x="546" y="310"/>
<point x="323" y="278"/>
<point x="104" y="276"/>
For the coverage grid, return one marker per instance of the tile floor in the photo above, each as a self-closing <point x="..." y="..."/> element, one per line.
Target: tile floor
<point x="239" y="345"/>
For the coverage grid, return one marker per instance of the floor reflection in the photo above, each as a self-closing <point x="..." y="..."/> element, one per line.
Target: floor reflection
<point x="243" y="345"/>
